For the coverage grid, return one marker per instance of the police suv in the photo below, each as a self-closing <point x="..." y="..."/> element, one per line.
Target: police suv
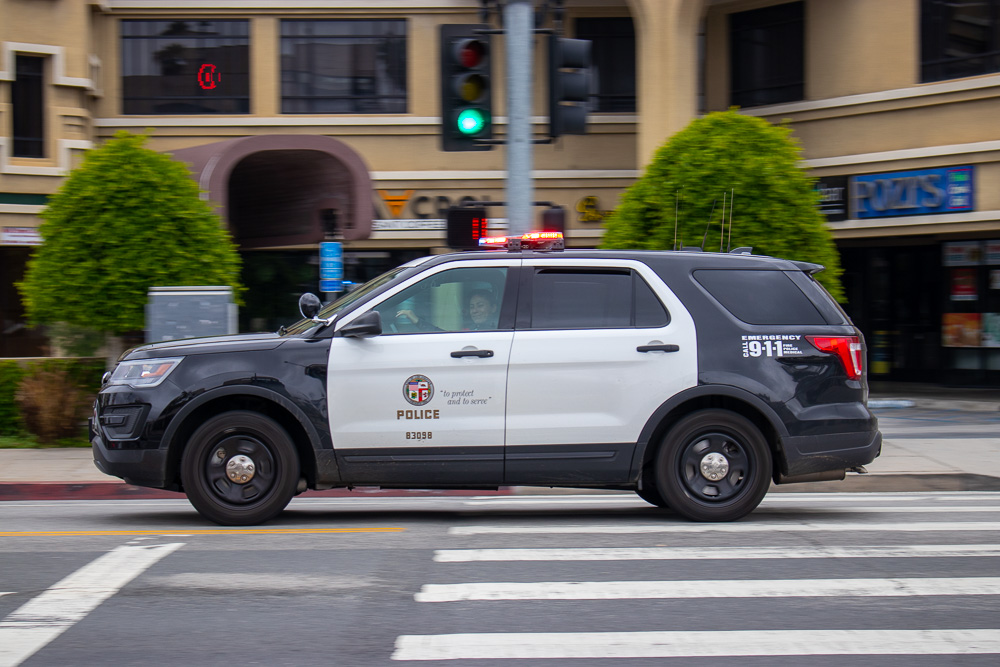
<point x="691" y="378"/>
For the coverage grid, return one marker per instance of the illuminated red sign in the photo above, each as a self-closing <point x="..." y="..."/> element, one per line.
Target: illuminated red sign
<point x="207" y="75"/>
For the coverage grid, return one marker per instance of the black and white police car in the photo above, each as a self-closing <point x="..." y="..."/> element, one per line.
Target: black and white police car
<point x="692" y="378"/>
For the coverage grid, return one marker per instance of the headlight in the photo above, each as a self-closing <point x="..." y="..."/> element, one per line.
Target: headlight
<point x="143" y="372"/>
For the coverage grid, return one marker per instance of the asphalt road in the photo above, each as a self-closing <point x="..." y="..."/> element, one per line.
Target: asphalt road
<point x="832" y="579"/>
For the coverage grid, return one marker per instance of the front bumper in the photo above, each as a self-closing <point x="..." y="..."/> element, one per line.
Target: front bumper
<point x="141" y="467"/>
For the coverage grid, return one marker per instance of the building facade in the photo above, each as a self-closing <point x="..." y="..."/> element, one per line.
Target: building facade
<point x="304" y="119"/>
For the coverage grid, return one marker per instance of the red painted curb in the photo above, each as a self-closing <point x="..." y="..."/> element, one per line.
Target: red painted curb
<point x="121" y="491"/>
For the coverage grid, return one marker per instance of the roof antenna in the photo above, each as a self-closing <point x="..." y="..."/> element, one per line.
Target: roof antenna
<point x="708" y="224"/>
<point x="677" y="199"/>
<point x="729" y="241"/>
<point x="722" y="230"/>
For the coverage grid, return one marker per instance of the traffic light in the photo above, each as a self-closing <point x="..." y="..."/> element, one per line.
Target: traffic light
<point x="554" y="219"/>
<point x="466" y="95"/>
<point x="569" y="85"/>
<point x="465" y="227"/>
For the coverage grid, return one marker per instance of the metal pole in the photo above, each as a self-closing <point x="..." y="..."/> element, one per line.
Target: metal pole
<point x="518" y="21"/>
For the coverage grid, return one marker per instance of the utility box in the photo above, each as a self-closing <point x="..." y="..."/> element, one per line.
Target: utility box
<point x="173" y="313"/>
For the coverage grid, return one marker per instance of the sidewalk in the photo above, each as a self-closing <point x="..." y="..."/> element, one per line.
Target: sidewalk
<point x="905" y="464"/>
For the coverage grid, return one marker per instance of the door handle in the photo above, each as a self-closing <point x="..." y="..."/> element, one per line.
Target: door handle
<point x="482" y="354"/>
<point x="657" y="348"/>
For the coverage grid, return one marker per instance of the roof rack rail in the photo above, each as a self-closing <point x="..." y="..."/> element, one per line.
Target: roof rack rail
<point x="743" y="250"/>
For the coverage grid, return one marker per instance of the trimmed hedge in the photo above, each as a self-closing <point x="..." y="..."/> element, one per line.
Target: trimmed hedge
<point x="84" y="372"/>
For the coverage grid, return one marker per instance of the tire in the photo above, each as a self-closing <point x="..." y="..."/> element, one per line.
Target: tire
<point x="739" y="453"/>
<point x="649" y="492"/>
<point x="259" y="449"/>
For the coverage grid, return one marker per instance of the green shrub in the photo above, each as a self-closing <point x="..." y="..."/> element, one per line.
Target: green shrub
<point x="10" y="378"/>
<point x="50" y="398"/>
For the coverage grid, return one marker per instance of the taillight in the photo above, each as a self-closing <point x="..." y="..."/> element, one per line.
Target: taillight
<point x="848" y="348"/>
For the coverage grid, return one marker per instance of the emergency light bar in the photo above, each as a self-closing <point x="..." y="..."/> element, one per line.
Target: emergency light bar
<point x="529" y="241"/>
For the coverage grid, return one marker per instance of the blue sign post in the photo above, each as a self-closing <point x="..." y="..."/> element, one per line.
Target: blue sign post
<point x="331" y="267"/>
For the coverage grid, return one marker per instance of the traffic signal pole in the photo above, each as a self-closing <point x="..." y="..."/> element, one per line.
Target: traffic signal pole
<point x="518" y="23"/>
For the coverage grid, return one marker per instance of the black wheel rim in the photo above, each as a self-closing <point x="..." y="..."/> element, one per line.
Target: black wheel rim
<point x="729" y="486"/>
<point x="235" y="494"/>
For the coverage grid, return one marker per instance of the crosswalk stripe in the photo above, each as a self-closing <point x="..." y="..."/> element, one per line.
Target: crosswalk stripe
<point x="714" y="553"/>
<point x="607" y="501"/>
<point x="46" y="616"/>
<point x="739" y="643"/>
<point x="733" y="588"/>
<point x="750" y="527"/>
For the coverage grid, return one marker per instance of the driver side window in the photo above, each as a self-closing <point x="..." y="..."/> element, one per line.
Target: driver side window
<point x="461" y="299"/>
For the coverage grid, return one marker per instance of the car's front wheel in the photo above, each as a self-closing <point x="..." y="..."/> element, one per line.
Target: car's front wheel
<point x="240" y="468"/>
<point x="713" y="465"/>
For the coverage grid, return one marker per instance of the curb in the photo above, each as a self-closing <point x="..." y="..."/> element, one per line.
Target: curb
<point x="122" y="491"/>
<point x="870" y="483"/>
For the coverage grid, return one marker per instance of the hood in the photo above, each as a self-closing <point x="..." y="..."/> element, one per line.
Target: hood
<point x="207" y="345"/>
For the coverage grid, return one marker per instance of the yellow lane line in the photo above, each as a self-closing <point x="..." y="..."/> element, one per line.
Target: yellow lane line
<point x="202" y="531"/>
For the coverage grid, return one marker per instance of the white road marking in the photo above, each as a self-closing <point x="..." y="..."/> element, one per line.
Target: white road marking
<point x="712" y="553"/>
<point x="749" y="527"/>
<point x="733" y="588"/>
<point x="46" y="616"/>
<point x="493" y="646"/>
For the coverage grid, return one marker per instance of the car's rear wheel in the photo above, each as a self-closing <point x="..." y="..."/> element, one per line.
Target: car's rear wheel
<point x="713" y="465"/>
<point x="240" y="468"/>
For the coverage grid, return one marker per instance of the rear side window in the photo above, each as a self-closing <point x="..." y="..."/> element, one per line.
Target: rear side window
<point x="593" y="299"/>
<point x="759" y="297"/>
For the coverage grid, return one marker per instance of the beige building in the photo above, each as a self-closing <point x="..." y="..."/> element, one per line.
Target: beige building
<point x="308" y="119"/>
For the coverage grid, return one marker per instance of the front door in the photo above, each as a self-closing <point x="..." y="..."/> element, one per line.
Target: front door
<point x="423" y="404"/>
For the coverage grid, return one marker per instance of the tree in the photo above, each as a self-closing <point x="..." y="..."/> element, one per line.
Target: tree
<point x="722" y="157"/>
<point x="126" y="219"/>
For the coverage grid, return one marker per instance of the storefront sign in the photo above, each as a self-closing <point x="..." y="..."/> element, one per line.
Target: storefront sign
<point x="961" y="330"/>
<point x="961" y="253"/>
<point x="963" y="285"/>
<point x="589" y="209"/>
<point x="991" y="329"/>
<point x="20" y="236"/>
<point x="833" y="197"/>
<point x="393" y="206"/>
<point x="918" y="192"/>
<point x="992" y="254"/>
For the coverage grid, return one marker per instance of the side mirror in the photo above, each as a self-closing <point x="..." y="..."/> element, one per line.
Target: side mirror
<point x="309" y="305"/>
<point x="366" y="326"/>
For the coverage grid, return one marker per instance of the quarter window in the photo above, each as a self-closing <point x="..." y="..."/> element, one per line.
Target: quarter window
<point x="766" y="50"/>
<point x="185" y="67"/>
<point x="759" y="297"/>
<point x="349" y="66"/>
<point x="959" y="39"/>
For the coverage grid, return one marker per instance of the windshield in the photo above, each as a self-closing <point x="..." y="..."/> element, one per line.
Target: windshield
<point x="343" y="302"/>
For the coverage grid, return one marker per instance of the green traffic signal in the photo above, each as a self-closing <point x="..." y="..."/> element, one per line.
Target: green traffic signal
<point x="466" y="87"/>
<point x="471" y="121"/>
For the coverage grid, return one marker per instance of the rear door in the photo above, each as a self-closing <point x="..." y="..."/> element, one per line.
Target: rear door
<point x="599" y="345"/>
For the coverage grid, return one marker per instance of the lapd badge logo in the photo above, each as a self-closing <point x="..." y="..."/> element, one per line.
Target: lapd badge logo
<point x="418" y="390"/>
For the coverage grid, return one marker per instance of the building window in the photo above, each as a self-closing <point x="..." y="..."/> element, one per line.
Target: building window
<point x="28" y="108"/>
<point x="612" y="58"/>
<point x="349" y="66"/>
<point x="766" y="50"/>
<point x="185" y="67"/>
<point x="959" y="39"/>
